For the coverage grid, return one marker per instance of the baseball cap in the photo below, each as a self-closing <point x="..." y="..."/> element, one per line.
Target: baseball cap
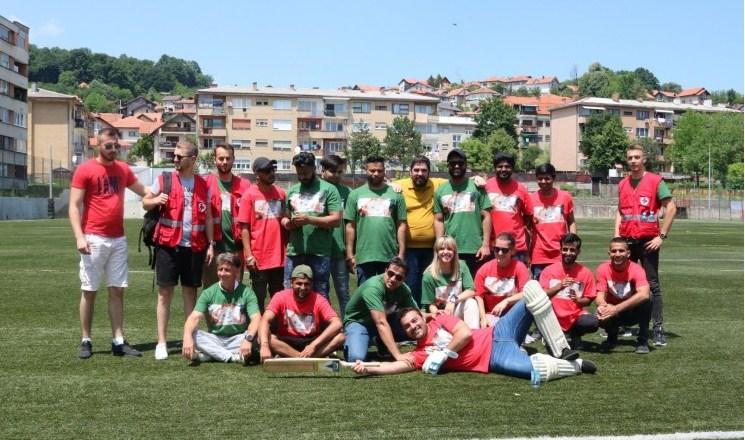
<point x="456" y="154"/>
<point x="262" y="164"/>
<point x="302" y="270"/>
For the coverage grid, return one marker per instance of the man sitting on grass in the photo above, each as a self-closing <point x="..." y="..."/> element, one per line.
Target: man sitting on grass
<point x="446" y="343"/>
<point x="303" y="322"/>
<point x="232" y="315"/>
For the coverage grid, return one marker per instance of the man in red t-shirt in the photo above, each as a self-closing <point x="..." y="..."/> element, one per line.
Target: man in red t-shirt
<point x="264" y="239"/>
<point x="571" y="287"/>
<point x="97" y="218"/>
<point x="511" y="207"/>
<point x="553" y="216"/>
<point x="299" y="322"/>
<point x="623" y="296"/>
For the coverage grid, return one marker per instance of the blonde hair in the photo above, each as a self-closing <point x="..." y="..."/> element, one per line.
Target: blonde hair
<point x="435" y="268"/>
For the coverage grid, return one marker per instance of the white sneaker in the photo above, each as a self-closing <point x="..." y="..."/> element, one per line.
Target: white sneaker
<point x="236" y="358"/>
<point x="204" y="357"/>
<point x="161" y="352"/>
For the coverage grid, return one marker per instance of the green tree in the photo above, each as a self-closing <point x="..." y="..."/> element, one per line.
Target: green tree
<point x="647" y="78"/>
<point x="502" y="141"/>
<point x="671" y="87"/>
<point x="730" y="97"/>
<point x="207" y="159"/>
<point x="603" y="142"/>
<point x="627" y="85"/>
<point x="402" y="142"/>
<point x="361" y="144"/>
<point x="651" y="151"/>
<point x="522" y="91"/>
<point x="144" y="149"/>
<point x="499" y="88"/>
<point x="68" y="79"/>
<point x="478" y="153"/>
<point x="735" y="176"/>
<point x="495" y="115"/>
<point x="97" y="102"/>
<point x="594" y="83"/>
<point x="528" y="158"/>
<point x="536" y="92"/>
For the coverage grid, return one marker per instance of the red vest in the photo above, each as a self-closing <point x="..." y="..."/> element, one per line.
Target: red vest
<point x="237" y="187"/>
<point x="639" y="207"/>
<point x="169" y="231"/>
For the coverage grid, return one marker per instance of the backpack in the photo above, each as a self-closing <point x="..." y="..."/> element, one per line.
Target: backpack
<point x="149" y="222"/>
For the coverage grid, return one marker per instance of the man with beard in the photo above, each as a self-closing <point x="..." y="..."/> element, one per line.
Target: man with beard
<point x="571" y="287"/>
<point x="332" y="168"/>
<point x="511" y="208"/>
<point x="226" y="190"/>
<point x="264" y="240"/>
<point x="96" y="214"/>
<point x="462" y="212"/>
<point x="313" y="211"/>
<point x="183" y="236"/>
<point x="376" y="223"/>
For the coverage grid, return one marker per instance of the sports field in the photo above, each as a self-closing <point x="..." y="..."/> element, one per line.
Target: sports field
<point x="693" y="384"/>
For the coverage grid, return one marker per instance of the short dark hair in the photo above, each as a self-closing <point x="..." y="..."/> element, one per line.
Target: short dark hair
<point x="405" y="311"/>
<point x="546" y="168"/>
<point x="396" y="261"/>
<point x="503" y="156"/>
<point x="571" y="238"/>
<point x="620" y="240"/>
<point x="332" y="162"/>
<point x="374" y="158"/>
<point x="226" y="147"/>
<point x="304" y="159"/>
<point x="420" y="159"/>
<point x="229" y="258"/>
<point x="507" y="236"/>
<point x="110" y="131"/>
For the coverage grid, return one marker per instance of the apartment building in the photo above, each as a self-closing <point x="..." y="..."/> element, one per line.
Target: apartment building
<point x="694" y="95"/>
<point x="131" y="129"/>
<point x="177" y="127"/>
<point x="13" y="104"/>
<point x="58" y="131"/>
<point x="441" y="134"/>
<point x="534" y="118"/>
<point x="640" y="119"/>
<point x="279" y="122"/>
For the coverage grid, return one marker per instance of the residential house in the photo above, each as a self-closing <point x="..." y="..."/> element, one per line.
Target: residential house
<point x="473" y="98"/>
<point x="544" y="84"/>
<point x="441" y="134"/>
<point x="169" y="103"/>
<point x="695" y="96"/>
<point x="137" y="105"/>
<point x="414" y="85"/>
<point x="444" y="108"/>
<point x="178" y="127"/>
<point x="534" y="118"/>
<point x="131" y="128"/>
<point x="14" y="50"/>
<point x="457" y="96"/>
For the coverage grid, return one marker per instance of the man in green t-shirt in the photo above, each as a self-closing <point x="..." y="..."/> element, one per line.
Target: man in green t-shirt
<point x="313" y="211"/>
<point x="376" y="223"/>
<point x="371" y="312"/>
<point x="462" y="212"/>
<point x="332" y="168"/>
<point x="232" y="315"/>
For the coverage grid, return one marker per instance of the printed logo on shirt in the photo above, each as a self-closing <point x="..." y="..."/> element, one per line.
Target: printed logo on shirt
<point x="548" y="214"/>
<point x="107" y="185"/>
<point x="301" y="324"/>
<point x="227" y="314"/>
<point x="644" y="200"/>
<point x="440" y="340"/>
<point x="578" y="288"/>
<point x="620" y="290"/>
<point x="308" y="202"/>
<point x="267" y="209"/>
<point x="225" y="202"/>
<point x="442" y="293"/>
<point x="459" y="202"/>
<point x="503" y="203"/>
<point x="500" y="286"/>
<point x="374" y="207"/>
<point x="202" y="207"/>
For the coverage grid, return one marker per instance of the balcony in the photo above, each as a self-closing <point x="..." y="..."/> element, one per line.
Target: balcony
<point x="172" y="129"/>
<point x="528" y="129"/>
<point x="167" y="144"/>
<point x="664" y="122"/>
<point x="216" y="132"/>
<point x="334" y="134"/>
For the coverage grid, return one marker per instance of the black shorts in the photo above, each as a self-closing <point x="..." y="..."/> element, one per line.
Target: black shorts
<point x="179" y="263"/>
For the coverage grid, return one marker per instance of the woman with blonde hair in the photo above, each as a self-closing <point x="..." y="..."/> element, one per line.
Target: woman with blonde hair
<point x="447" y="285"/>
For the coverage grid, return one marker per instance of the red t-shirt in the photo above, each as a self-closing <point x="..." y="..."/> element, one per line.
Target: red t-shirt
<point x="620" y="285"/>
<point x="510" y="202"/>
<point x="474" y="357"/>
<point x="566" y="310"/>
<point x="494" y="283"/>
<point x="262" y="212"/>
<point x="549" y="224"/>
<point x="300" y="319"/>
<point x="103" y="202"/>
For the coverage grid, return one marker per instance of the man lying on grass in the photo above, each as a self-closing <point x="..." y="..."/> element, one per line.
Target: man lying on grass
<point x="446" y="343"/>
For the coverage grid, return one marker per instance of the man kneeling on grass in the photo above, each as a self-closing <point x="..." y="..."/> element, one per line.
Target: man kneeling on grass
<point x="233" y="317"/>
<point x="446" y="343"/>
<point x="299" y="322"/>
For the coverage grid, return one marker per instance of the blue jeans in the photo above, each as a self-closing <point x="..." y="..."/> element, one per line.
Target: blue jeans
<point x="340" y="275"/>
<point x="365" y="271"/>
<point x="417" y="260"/>
<point x="507" y="335"/>
<point x="318" y="264"/>
<point x="358" y="338"/>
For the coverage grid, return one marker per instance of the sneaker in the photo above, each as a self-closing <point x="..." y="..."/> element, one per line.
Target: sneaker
<point x="85" y="350"/>
<point x="587" y="367"/>
<point x="528" y="340"/>
<point x="658" y="336"/>
<point x="642" y="349"/>
<point x="625" y="332"/>
<point x="609" y="344"/>
<point x="124" y="350"/>
<point x="203" y="357"/>
<point x="161" y="352"/>
<point x="568" y="354"/>
<point x="236" y="358"/>
<point x="575" y="342"/>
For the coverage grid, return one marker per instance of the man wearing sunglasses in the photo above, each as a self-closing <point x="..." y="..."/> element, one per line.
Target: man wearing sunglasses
<point x="184" y="237"/>
<point x="97" y="219"/>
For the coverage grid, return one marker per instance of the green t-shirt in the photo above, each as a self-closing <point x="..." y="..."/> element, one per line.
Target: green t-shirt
<point x="227" y="313"/>
<point x="663" y="192"/>
<point x="437" y="290"/>
<point x="227" y="244"/>
<point x="371" y="295"/>
<point x="338" y="250"/>
<point x="461" y="206"/>
<point x="375" y="213"/>
<point x="318" y="199"/>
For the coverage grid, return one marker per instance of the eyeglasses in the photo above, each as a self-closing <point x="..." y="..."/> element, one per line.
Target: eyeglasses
<point x="112" y="146"/>
<point x="179" y="157"/>
<point x="501" y="250"/>
<point x="394" y="275"/>
<point x="458" y="163"/>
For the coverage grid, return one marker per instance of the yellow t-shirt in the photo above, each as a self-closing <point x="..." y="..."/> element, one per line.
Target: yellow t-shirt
<point x="419" y="215"/>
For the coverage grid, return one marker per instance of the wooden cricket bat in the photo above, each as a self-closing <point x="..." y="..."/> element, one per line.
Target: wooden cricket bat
<point x="309" y="365"/>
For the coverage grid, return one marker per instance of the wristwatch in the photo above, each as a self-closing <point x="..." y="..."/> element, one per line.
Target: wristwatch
<point x="249" y="337"/>
<point x="663" y="236"/>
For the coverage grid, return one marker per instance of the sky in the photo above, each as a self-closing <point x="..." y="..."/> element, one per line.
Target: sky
<point x="335" y="43"/>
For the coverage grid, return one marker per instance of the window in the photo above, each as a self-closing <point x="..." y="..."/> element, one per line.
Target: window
<point x="628" y="113"/>
<point x="424" y="109"/>
<point x="4" y="60"/>
<point x="5" y="115"/>
<point x="213" y="123"/>
<point x="242" y="165"/>
<point x="307" y="106"/>
<point x="281" y="145"/>
<point x="262" y="122"/>
<point x="240" y="103"/>
<point x="456" y="141"/>
<point x="133" y="133"/>
<point x="241" y="124"/>
<point x="539" y="138"/>
<point x="263" y="102"/>
<point x="283" y="165"/>
<point x="469" y="131"/>
<point x="262" y="143"/>
<point x="308" y="145"/>
<point x="659" y="132"/>
<point x="282" y="125"/>
<point x="241" y="144"/>
<point x="539" y="124"/>
<point x="21" y="40"/>
<point x="208" y="143"/>
<point x="334" y="126"/>
<point x="400" y="109"/>
<point x="381" y="126"/>
<point x="547" y="138"/>
<point x="20" y="119"/>
<point x="381" y="107"/>
<point x="282" y="104"/>
<point x="333" y="109"/>
<point x="642" y="115"/>
<point x="614" y="111"/>
<point x="360" y="125"/>
<point x="361" y="107"/>
<point x="642" y="132"/>
<point x="548" y="123"/>
<point x="5" y="34"/>
<point x="335" y="147"/>
<point x="628" y="130"/>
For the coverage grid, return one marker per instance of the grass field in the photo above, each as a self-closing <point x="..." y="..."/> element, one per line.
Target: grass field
<point x="693" y="384"/>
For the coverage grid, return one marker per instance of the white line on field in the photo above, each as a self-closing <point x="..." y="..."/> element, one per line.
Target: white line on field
<point x="672" y="436"/>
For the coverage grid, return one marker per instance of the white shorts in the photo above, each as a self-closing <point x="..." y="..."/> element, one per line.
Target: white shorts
<point x="108" y="257"/>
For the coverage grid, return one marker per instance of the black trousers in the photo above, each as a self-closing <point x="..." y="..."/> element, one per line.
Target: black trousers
<point x="650" y="261"/>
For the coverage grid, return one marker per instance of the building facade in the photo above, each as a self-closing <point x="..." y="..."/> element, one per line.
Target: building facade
<point x="441" y="134"/>
<point x="533" y="125"/>
<point x="14" y="47"/>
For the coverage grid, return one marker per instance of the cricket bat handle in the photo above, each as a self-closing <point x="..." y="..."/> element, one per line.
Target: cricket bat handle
<point x="364" y="364"/>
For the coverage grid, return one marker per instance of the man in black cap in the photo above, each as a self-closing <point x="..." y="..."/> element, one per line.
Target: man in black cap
<point x="462" y="212"/>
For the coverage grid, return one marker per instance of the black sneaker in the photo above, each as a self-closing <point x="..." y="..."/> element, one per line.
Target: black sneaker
<point x="568" y="354"/>
<point x="642" y="349"/>
<point x="608" y="345"/>
<point x="124" y="350"/>
<point x="587" y="367"/>
<point x="85" y="350"/>
<point x="575" y="342"/>
<point x="658" y="337"/>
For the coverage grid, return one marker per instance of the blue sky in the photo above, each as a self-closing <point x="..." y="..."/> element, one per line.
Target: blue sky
<point x="334" y="43"/>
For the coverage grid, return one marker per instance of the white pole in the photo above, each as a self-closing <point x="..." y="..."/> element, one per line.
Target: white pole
<point x="709" y="179"/>
<point x="51" y="165"/>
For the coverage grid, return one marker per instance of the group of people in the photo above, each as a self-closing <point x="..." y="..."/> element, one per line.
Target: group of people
<point x="446" y="263"/>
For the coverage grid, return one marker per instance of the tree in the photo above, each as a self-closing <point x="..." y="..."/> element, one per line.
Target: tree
<point x="68" y="79"/>
<point x="481" y="153"/>
<point x="735" y="176"/>
<point x="402" y="142"/>
<point x="627" y="85"/>
<point x="499" y="88"/>
<point x="536" y="92"/>
<point x="495" y="115"/>
<point x="207" y="159"/>
<point x="529" y="157"/>
<point x="594" y="83"/>
<point x="96" y="102"/>
<point x="361" y="144"/>
<point x="730" y="97"/>
<point x="522" y="91"/>
<point x="603" y="142"/>
<point x="651" y="151"/>
<point x="144" y="149"/>
<point x="671" y="87"/>
<point x="647" y="78"/>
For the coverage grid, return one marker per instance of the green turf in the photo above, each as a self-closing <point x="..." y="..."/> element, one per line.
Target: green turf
<point x="694" y="384"/>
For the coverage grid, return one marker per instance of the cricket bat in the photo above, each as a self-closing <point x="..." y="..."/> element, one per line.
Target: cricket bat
<point x="310" y="365"/>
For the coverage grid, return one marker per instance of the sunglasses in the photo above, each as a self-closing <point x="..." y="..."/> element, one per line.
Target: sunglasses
<point x="394" y="275"/>
<point x="179" y="157"/>
<point x="112" y="146"/>
<point x="501" y="250"/>
<point x="454" y="163"/>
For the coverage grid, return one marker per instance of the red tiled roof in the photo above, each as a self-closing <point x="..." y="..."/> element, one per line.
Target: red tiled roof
<point x="541" y="80"/>
<point x="108" y="117"/>
<point x="695" y="91"/>
<point x="152" y="116"/>
<point x="483" y="90"/>
<point x="544" y="102"/>
<point x="368" y="88"/>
